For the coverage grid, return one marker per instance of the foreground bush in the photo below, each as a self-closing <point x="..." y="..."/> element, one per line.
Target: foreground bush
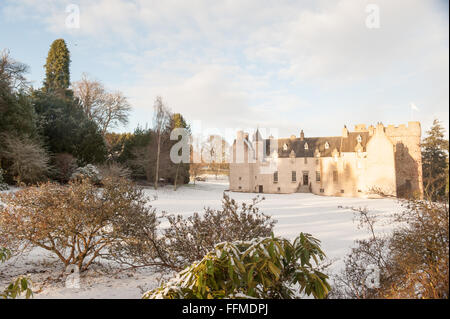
<point x="261" y="268"/>
<point x="21" y="285"/>
<point x="189" y="239"/>
<point x="412" y="261"/>
<point x="77" y="222"/>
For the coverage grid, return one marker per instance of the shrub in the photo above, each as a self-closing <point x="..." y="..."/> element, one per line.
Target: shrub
<point x="261" y="268"/>
<point x="186" y="240"/>
<point x="28" y="161"/>
<point x="19" y="285"/>
<point x="65" y="165"/>
<point x="3" y="185"/>
<point x="89" y="171"/>
<point x="77" y="222"/>
<point x="115" y="170"/>
<point x="5" y="254"/>
<point x="412" y="261"/>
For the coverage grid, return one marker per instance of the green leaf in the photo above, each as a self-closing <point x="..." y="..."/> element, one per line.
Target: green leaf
<point x="274" y="269"/>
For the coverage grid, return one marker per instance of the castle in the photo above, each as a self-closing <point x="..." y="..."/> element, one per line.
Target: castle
<point x="377" y="158"/>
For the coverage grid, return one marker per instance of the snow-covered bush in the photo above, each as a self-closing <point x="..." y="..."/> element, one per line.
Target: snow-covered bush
<point x="189" y="239"/>
<point x="89" y="171"/>
<point x="268" y="268"/>
<point x="3" y="185"/>
<point x="77" y="222"/>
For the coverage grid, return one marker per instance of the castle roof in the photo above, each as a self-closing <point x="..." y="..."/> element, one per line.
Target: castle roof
<point x="341" y="144"/>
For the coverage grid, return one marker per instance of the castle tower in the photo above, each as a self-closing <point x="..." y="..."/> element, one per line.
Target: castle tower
<point x="408" y="158"/>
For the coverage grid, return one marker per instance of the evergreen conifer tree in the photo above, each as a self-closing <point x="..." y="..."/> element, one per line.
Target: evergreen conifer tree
<point x="435" y="162"/>
<point x="57" y="68"/>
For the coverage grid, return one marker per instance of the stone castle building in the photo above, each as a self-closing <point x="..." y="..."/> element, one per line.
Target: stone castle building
<point x="386" y="159"/>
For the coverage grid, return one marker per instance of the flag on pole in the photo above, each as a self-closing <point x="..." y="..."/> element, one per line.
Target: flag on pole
<point x="413" y="108"/>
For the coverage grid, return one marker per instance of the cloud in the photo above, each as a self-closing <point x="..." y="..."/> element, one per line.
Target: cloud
<point x="284" y="63"/>
<point x="219" y="96"/>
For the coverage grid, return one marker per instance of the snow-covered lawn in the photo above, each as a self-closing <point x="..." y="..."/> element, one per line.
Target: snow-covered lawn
<point x="327" y="218"/>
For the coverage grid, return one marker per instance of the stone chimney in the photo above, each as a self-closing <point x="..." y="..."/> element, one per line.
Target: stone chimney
<point x="360" y="128"/>
<point x="345" y="132"/>
<point x="302" y="136"/>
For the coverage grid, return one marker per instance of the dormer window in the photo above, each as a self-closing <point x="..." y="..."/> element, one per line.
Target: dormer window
<point x="359" y="139"/>
<point x="327" y="145"/>
<point x="306" y="146"/>
<point x="285" y="147"/>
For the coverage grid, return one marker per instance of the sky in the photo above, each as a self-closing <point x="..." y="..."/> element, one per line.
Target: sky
<point x="312" y="65"/>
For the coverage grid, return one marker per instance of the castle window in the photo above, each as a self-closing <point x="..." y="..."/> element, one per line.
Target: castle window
<point x="285" y="147"/>
<point x="322" y="190"/>
<point x="240" y="187"/>
<point x="306" y="146"/>
<point x="342" y="191"/>
<point x="317" y="176"/>
<point x="275" y="177"/>
<point x="279" y="189"/>
<point x="335" y="176"/>
<point x="294" y="176"/>
<point x="327" y="145"/>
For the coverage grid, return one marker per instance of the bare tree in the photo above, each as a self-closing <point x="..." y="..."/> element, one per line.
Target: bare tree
<point x="161" y="120"/>
<point x="12" y="72"/>
<point x="107" y="109"/>
<point x="115" y="111"/>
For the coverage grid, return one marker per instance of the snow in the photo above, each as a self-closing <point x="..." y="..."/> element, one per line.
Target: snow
<point x="329" y="219"/>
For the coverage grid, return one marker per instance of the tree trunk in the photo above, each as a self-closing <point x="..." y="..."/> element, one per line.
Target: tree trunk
<point x="176" y="176"/>
<point x="157" y="161"/>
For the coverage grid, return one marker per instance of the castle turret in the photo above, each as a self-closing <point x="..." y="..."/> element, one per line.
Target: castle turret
<point x="408" y="156"/>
